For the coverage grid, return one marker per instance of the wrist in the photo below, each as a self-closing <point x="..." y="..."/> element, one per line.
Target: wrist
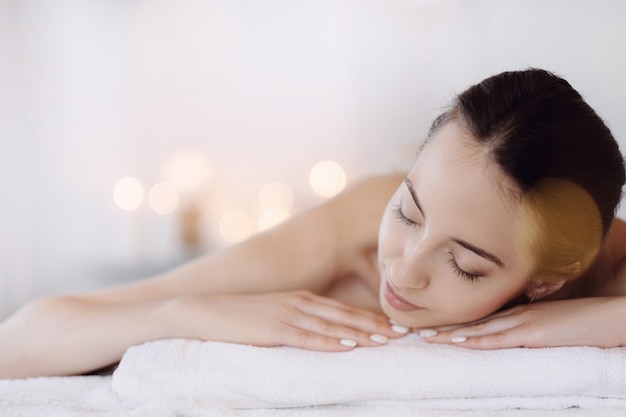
<point x="185" y="316"/>
<point x="163" y="321"/>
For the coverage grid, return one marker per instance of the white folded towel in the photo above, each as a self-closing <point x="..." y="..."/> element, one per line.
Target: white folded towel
<point x="217" y="374"/>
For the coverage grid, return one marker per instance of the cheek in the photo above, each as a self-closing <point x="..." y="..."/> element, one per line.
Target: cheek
<point x="387" y="235"/>
<point x="481" y="301"/>
<point x="387" y="232"/>
<point x="393" y="241"/>
<point x="461" y="302"/>
<point x="463" y="310"/>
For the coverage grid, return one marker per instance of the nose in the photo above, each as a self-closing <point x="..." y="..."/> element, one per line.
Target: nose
<point x="410" y="270"/>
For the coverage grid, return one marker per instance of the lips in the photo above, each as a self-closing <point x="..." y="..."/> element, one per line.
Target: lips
<point x="396" y="301"/>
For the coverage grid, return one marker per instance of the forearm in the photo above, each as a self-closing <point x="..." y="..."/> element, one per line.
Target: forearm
<point x="66" y="336"/>
<point x="72" y="335"/>
<point x="77" y="334"/>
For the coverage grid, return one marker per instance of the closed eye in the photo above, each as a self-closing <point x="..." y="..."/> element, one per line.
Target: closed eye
<point x="399" y="215"/>
<point x="461" y="273"/>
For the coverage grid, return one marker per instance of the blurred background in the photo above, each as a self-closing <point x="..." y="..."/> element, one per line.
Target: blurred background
<point x="137" y="134"/>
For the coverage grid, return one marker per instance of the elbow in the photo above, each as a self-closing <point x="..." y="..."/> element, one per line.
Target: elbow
<point x="37" y="311"/>
<point x="25" y="335"/>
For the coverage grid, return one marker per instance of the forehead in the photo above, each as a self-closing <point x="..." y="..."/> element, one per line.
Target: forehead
<point x="452" y="150"/>
<point x="464" y="194"/>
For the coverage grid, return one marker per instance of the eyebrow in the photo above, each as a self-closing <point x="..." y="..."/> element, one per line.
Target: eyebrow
<point x="478" y="251"/>
<point x="409" y="185"/>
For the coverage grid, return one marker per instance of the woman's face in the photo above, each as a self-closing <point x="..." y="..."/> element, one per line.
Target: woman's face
<point x="448" y="247"/>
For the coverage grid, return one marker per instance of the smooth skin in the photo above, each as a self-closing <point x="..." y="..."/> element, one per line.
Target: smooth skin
<point x="310" y="283"/>
<point x="590" y="311"/>
<point x="315" y="281"/>
<point x="448" y="240"/>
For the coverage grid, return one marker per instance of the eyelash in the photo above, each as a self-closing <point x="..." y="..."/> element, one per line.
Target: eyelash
<point x="397" y="211"/>
<point x="465" y="275"/>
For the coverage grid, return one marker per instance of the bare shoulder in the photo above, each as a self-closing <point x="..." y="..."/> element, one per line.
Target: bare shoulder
<point x="359" y="209"/>
<point x="374" y="188"/>
<point x="382" y="183"/>
<point x="356" y="214"/>
<point x="309" y="251"/>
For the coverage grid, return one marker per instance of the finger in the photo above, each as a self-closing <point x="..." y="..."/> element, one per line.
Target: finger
<point x="306" y="339"/>
<point x="508" y="339"/>
<point x="459" y="334"/>
<point x="429" y="331"/>
<point x="364" y="321"/>
<point x="508" y="312"/>
<point x="318" y="299"/>
<point x="503" y="313"/>
<point x="325" y="327"/>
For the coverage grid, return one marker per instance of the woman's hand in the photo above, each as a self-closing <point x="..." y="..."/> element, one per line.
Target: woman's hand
<point x="577" y="322"/>
<point x="301" y="319"/>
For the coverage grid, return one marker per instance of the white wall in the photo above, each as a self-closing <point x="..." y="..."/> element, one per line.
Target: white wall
<point x="94" y="90"/>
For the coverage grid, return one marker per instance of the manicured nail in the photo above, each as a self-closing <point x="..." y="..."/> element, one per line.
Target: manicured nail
<point x="348" y="342"/>
<point x="428" y="332"/>
<point x="458" y="339"/>
<point x="398" y="328"/>
<point x="379" y="338"/>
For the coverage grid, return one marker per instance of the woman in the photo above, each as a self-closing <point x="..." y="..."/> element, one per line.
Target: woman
<point x="502" y="234"/>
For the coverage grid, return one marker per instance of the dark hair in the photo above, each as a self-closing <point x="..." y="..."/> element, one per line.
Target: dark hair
<point x="536" y="126"/>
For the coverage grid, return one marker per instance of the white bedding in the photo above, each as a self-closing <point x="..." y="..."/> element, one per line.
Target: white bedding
<point x="92" y="396"/>
<point x="190" y="378"/>
<point x="405" y="370"/>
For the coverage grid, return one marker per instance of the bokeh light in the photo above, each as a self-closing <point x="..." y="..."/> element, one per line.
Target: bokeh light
<point x="272" y="217"/>
<point x="327" y="178"/>
<point x="189" y="171"/>
<point x="236" y="225"/>
<point x="164" y="198"/>
<point x="276" y="195"/>
<point x="128" y="193"/>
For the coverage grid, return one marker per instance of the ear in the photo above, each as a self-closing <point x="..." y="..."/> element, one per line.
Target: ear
<point x="539" y="289"/>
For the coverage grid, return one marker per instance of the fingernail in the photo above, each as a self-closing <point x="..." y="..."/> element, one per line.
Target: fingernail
<point x="398" y="328"/>
<point x="428" y="333"/>
<point x="458" y="339"/>
<point x="379" y="338"/>
<point x="348" y="342"/>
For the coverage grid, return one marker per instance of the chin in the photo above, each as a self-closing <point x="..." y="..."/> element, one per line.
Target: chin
<point x="403" y="318"/>
<point x="420" y="319"/>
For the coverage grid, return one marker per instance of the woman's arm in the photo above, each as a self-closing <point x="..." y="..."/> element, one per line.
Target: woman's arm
<point x="308" y="252"/>
<point x="226" y="295"/>
<point x="74" y="335"/>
